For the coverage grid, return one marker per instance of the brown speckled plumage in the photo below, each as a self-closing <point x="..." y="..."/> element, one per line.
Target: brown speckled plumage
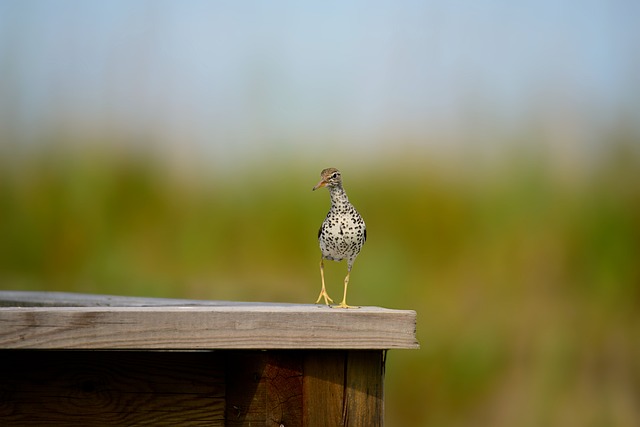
<point x="343" y="231"/>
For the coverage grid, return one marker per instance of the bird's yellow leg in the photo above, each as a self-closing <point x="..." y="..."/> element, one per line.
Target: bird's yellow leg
<point x="343" y="304"/>
<point x="323" y="292"/>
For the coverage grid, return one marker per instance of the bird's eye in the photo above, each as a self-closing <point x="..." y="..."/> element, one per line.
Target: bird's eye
<point x="335" y="175"/>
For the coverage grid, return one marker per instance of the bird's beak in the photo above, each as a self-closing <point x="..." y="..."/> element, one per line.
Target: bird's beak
<point x="321" y="184"/>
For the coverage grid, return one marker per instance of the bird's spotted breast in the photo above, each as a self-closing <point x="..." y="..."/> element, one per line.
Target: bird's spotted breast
<point x="342" y="234"/>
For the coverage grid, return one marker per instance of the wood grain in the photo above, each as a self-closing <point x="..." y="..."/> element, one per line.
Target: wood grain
<point x="227" y="387"/>
<point x="344" y="388"/>
<point x="223" y="326"/>
<point x="364" y="399"/>
<point x="106" y="388"/>
<point x="264" y="388"/>
<point x="323" y="388"/>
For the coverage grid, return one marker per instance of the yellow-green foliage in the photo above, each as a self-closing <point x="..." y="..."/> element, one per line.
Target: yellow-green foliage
<point x="526" y="282"/>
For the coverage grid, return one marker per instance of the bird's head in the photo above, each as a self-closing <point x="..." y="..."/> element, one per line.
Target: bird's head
<point x="330" y="178"/>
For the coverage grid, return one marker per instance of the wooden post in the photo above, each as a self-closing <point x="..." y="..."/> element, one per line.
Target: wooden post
<point x="97" y="360"/>
<point x="344" y="388"/>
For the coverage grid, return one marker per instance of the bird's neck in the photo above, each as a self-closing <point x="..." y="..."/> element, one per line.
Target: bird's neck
<point x="338" y="196"/>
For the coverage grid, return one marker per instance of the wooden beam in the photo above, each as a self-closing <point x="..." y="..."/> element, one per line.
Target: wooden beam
<point x="323" y="388"/>
<point x="343" y="388"/>
<point x="100" y="388"/>
<point x="364" y="398"/>
<point x="264" y="388"/>
<point x="217" y="326"/>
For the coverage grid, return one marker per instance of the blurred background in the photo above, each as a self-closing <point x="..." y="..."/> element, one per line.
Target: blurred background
<point x="168" y="149"/>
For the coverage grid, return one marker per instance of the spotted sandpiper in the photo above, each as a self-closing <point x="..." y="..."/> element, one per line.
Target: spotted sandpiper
<point x="342" y="233"/>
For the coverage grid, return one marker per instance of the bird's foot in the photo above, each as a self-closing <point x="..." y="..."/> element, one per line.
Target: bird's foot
<point x="343" y="304"/>
<point x="325" y="295"/>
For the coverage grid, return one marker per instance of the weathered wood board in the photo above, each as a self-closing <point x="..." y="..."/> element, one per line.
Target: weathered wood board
<point x="202" y="326"/>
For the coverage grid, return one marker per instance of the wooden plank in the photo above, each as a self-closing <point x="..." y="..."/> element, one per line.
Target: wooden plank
<point x="344" y="388"/>
<point x="364" y="398"/>
<point x="283" y="376"/>
<point x="305" y="388"/>
<point x="246" y="389"/>
<point x="323" y="388"/>
<point x="264" y="388"/>
<point x="228" y="326"/>
<point x="98" y="388"/>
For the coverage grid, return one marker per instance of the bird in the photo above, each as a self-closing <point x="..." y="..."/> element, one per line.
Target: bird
<point x="342" y="234"/>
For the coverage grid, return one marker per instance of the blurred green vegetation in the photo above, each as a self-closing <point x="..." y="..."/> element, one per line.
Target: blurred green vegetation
<point x="525" y="276"/>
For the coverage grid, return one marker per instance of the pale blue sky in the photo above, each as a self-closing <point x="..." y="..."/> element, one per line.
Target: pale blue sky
<point x="230" y="76"/>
